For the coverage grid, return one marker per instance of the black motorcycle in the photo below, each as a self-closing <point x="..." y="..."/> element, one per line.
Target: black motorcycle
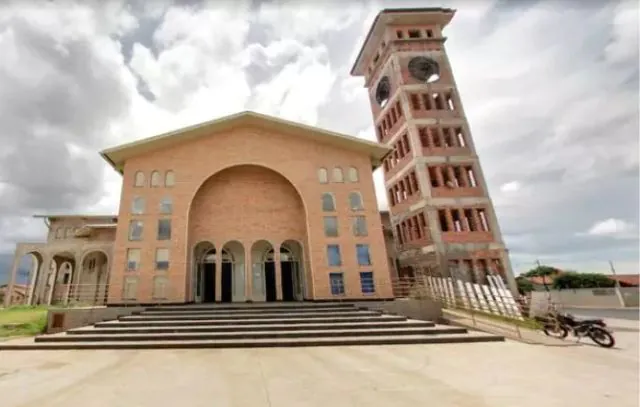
<point x="559" y="325"/>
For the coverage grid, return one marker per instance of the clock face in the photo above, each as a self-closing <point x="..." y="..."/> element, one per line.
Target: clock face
<point x="424" y="69"/>
<point x="383" y="91"/>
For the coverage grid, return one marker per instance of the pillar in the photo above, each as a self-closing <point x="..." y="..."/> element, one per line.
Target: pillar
<point x="449" y="217"/>
<point x="278" y="272"/>
<point x="12" y="278"/>
<point x="218" y="276"/>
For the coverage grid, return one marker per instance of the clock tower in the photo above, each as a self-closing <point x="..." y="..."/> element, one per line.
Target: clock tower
<point x="441" y="212"/>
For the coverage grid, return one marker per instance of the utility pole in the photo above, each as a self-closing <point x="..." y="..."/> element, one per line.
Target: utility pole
<point x="617" y="285"/>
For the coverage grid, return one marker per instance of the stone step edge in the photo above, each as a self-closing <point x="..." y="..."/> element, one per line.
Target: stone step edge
<point x="219" y="306"/>
<point x="254" y="311"/>
<point x="227" y="322"/>
<point x="246" y="316"/>
<point x="259" y="343"/>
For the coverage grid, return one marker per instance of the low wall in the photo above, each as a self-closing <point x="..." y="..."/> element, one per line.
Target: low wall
<point x="421" y="309"/>
<point x="63" y="319"/>
<point x="586" y="297"/>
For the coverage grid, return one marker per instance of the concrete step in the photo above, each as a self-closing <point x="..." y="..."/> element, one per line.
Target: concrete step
<point x="251" y="306"/>
<point x="208" y="336"/>
<point x="254" y="315"/>
<point x="244" y="311"/>
<point x="257" y="343"/>
<point x="115" y="329"/>
<point x="209" y="321"/>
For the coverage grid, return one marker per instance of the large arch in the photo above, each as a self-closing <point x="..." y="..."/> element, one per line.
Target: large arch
<point x="52" y="289"/>
<point x="91" y="287"/>
<point x="247" y="203"/>
<point x="34" y="261"/>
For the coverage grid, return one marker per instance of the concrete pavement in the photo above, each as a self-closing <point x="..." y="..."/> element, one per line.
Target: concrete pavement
<point x="508" y="374"/>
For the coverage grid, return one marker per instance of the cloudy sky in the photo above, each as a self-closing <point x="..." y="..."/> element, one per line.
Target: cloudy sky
<point x="550" y="88"/>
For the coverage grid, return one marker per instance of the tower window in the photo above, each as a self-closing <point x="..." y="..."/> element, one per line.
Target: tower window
<point x="383" y="91"/>
<point x="429" y="33"/>
<point x="414" y="33"/>
<point x="400" y="34"/>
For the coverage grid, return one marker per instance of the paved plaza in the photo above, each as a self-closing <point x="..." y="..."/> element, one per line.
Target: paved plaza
<point x="508" y="374"/>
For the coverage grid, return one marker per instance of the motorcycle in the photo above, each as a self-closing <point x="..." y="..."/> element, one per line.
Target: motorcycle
<point x="559" y="325"/>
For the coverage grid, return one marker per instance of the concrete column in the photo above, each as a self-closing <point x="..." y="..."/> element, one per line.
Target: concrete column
<point x="76" y="274"/>
<point x="218" y="276"/>
<point x="278" y="272"/>
<point x="449" y="217"/>
<point x="439" y="175"/>
<point x="33" y="280"/>
<point x="12" y="278"/>
<point x="464" y="177"/>
<point x="452" y="175"/>
<point x="53" y="281"/>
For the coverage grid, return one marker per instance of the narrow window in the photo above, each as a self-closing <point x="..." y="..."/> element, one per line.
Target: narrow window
<point x="355" y="201"/>
<point x="414" y="33"/>
<point x="336" y="281"/>
<point x="400" y="34"/>
<point x="328" y="203"/>
<point x="130" y="288"/>
<point x="169" y="178"/>
<point x="353" y="174"/>
<point x="160" y="284"/>
<point x="155" y="179"/>
<point x="333" y="255"/>
<point x="483" y="220"/>
<point x="139" y="179"/>
<point x="135" y="230"/>
<point x="359" y="226"/>
<point x="429" y="33"/>
<point x="442" y="217"/>
<point x="162" y="259"/>
<point x="366" y="282"/>
<point x="471" y="176"/>
<point x="166" y="205"/>
<point x="460" y="136"/>
<point x="323" y="177"/>
<point x="331" y="226"/>
<point x="362" y="251"/>
<point x="137" y="206"/>
<point x="164" y="229"/>
<point x="133" y="259"/>
<point x="337" y="175"/>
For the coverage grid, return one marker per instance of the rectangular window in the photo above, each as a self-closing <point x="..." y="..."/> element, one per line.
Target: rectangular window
<point x="336" y="280"/>
<point x="162" y="259"/>
<point x="164" y="229"/>
<point x="359" y="226"/>
<point x="362" y="251"/>
<point x="366" y="282"/>
<point x="331" y="226"/>
<point x="135" y="230"/>
<point x="166" y="206"/>
<point x="133" y="259"/>
<point x="333" y="255"/>
<point x="130" y="288"/>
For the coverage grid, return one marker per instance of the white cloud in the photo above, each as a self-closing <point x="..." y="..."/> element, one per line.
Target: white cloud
<point x="611" y="227"/>
<point x="513" y="186"/>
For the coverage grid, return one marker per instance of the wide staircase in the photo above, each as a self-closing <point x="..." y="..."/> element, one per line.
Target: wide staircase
<point x="256" y="325"/>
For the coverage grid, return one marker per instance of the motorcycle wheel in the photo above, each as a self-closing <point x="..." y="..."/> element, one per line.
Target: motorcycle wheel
<point x="602" y="337"/>
<point x="555" y="330"/>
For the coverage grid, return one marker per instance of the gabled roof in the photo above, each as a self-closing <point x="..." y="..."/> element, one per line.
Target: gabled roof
<point x="117" y="156"/>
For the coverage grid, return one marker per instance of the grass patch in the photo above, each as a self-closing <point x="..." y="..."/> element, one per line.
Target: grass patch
<point x="22" y="321"/>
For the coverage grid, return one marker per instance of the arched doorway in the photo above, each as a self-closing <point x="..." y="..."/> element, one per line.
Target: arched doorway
<point x="247" y="203"/>
<point x="263" y="272"/>
<point x="92" y="281"/>
<point x="291" y="272"/>
<point x="233" y="272"/>
<point x="32" y="261"/>
<point x="204" y="278"/>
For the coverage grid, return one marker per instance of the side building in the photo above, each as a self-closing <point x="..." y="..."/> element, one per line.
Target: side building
<point x="244" y="208"/>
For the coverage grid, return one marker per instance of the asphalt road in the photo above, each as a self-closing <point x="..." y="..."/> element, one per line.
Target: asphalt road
<point x="631" y="314"/>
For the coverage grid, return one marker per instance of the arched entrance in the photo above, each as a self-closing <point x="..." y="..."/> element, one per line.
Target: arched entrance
<point x="232" y="280"/>
<point x="247" y="203"/>
<point x="92" y="281"/>
<point x="263" y="272"/>
<point x="32" y="261"/>
<point x="204" y="273"/>
<point x="291" y="273"/>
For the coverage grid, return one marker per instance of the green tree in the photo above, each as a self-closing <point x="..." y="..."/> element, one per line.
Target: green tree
<point x="524" y="285"/>
<point x="572" y="280"/>
<point x="542" y="271"/>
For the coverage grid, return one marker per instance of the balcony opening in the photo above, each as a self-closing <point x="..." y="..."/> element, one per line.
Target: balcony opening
<point x="442" y="218"/>
<point x="460" y="137"/>
<point x="457" y="221"/>
<point x="471" y="176"/>
<point x="468" y="216"/>
<point x="484" y="224"/>
<point x="414" y="33"/>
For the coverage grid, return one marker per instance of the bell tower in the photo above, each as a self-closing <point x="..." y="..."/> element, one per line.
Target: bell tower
<point x="441" y="212"/>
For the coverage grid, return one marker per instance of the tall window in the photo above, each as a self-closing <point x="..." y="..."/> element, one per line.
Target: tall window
<point x="164" y="229"/>
<point x="135" y="230"/>
<point x="162" y="259"/>
<point x="155" y="179"/>
<point x="353" y="174"/>
<point x="355" y="201"/>
<point x="367" y="284"/>
<point x="323" y="176"/>
<point x="333" y="255"/>
<point x="160" y="284"/>
<point x="133" y="259"/>
<point x="362" y="251"/>
<point x="337" y="175"/>
<point x="169" y="178"/>
<point x="138" y="179"/>
<point x="166" y="205"/>
<point x="331" y="226"/>
<point x="359" y="226"/>
<point x="130" y="288"/>
<point x="328" y="203"/>
<point x="336" y="281"/>
<point x="137" y="206"/>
